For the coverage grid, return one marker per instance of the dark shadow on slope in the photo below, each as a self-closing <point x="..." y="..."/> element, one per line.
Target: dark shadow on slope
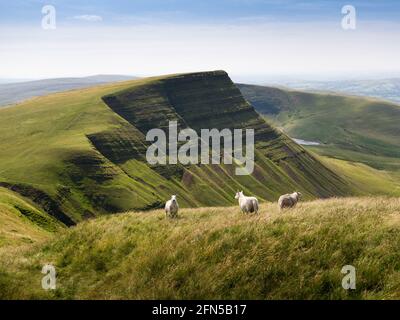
<point x="46" y="202"/>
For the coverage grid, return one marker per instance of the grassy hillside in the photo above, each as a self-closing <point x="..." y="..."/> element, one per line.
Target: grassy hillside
<point x="21" y="222"/>
<point x="221" y="253"/>
<point x="351" y="128"/>
<point x="365" y="179"/>
<point x="79" y="154"/>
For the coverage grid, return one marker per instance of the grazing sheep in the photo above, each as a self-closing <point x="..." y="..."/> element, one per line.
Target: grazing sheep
<point x="288" y="200"/>
<point x="247" y="204"/>
<point x="172" y="207"/>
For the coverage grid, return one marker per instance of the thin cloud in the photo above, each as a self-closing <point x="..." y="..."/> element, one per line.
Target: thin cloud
<point x="89" y="18"/>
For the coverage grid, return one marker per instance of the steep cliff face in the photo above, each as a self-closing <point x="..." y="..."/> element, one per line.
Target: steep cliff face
<point x="97" y="146"/>
<point x="209" y="100"/>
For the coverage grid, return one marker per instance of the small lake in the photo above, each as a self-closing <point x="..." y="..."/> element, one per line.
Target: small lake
<point x="306" y="143"/>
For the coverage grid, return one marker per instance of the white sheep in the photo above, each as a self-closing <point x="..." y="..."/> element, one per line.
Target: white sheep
<point x="171" y="207"/>
<point x="247" y="204"/>
<point x="288" y="200"/>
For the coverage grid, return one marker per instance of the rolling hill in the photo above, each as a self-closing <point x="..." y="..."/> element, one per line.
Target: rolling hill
<point x="80" y="153"/>
<point x="219" y="253"/>
<point x="14" y="92"/>
<point x="351" y="128"/>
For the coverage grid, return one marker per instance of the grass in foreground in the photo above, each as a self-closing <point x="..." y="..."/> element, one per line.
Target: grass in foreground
<point x="220" y="253"/>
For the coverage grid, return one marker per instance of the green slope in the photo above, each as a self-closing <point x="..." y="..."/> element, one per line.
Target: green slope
<point x="219" y="253"/>
<point x="365" y="180"/>
<point x="352" y="128"/>
<point x="22" y="222"/>
<point x="80" y="153"/>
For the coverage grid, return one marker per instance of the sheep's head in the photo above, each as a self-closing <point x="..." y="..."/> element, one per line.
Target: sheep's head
<point x="173" y="198"/>
<point x="299" y="195"/>
<point x="238" y="194"/>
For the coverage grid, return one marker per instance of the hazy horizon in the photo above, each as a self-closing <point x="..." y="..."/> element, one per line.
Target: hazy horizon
<point x="250" y="39"/>
<point x="256" y="79"/>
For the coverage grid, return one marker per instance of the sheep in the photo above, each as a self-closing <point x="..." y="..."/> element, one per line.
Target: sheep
<point x="247" y="204"/>
<point x="171" y="207"/>
<point x="289" y="200"/>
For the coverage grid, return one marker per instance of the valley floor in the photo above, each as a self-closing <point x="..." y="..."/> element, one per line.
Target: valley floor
<point x="219" y="253"/>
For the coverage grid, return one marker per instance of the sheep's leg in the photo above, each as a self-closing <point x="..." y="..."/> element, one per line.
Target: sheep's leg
<point x="256" y="207"/>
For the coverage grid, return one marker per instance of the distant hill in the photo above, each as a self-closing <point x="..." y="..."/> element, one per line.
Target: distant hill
<point x="15" y="92"/>
<point x="388" y="89"/>
<point x="13" y="80"/>
<point x="347" y="127"/>
<point x="81" y="153"/>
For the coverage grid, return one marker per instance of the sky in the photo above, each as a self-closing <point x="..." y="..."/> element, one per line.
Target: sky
<point x="250" y="39"/>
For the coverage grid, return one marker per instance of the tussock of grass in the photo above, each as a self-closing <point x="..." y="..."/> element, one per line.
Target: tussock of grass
<point x="220" y="253"/>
